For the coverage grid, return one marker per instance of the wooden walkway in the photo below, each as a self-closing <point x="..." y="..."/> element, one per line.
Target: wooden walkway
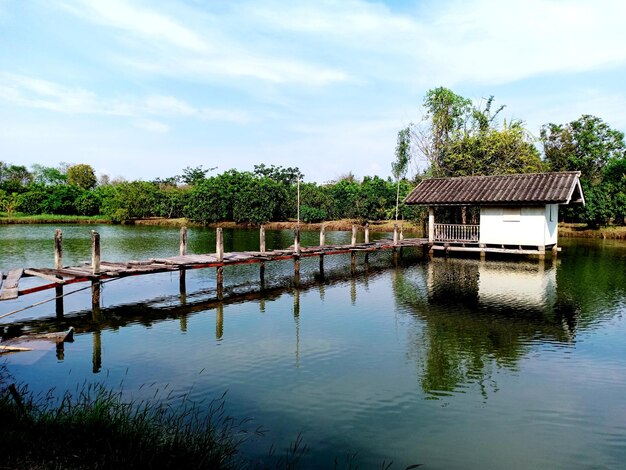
<point x="100" y="270"/>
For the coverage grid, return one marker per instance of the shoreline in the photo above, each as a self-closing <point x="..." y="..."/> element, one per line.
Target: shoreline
<point x="566" y="230"/>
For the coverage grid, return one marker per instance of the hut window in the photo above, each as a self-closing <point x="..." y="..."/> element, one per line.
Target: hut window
<point x="511" y="214"/>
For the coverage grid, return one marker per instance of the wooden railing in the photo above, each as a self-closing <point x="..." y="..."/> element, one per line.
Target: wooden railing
<point x="457" y="233"/>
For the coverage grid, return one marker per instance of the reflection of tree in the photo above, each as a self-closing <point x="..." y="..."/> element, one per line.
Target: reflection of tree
<point x="464" y="337"/>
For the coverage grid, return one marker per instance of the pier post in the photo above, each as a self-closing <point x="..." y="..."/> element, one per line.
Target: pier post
<point x="182" y="273"/>
<point x="95" y="252"/>
<point x="219" y="252"/>
<point x="555" y="250"/>
<point x="401" y="232"/>
<point x="296" y="241"/>
<point x="58" y="264"/>
<point x="262" y="250"/>
<point x="262" y="239"/>
<point x="183" y="241"/>
<point x="322" y="243"/>
<point x="367" y="240"/>
<point x="353" y="253"/>
<point x="483" y="253"/>
<point x="296" y="255"/>
<point x="220" y="282"/>
<point x="95" y="270"/>
<point x="395" y="234"/>
<point x="219" y="244"/>
<point x="58" y="249"/>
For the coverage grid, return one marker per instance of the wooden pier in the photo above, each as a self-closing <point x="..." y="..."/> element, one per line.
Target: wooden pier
<point x="98" y="270"/>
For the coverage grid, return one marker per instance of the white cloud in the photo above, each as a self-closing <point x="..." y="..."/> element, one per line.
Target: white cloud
<point x="151" y="126"/>
<point x="42" y="94"/>
<point x="138" y="21"/>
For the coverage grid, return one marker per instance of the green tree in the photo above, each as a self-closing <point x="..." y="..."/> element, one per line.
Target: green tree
<point x="492" y="152"/>
<point x="193" y="176"/>
<point x="48" y="175"/>
<point x="400" y="165"/>
<point x="586" y="145"/>
<point x="82" y="175"/>
<point x="14" y="178"/>
<point x="448" y="114"/>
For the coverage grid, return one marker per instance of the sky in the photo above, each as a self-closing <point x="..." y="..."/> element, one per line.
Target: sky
<point x="143" y="89"/>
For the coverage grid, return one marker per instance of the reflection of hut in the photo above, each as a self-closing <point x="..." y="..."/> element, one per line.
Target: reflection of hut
<point x="533" y="286"/>
<point x="517" y="213"/>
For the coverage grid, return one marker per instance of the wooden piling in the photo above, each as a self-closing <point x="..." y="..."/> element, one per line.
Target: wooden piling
<point x="220" y="281"/>
<point x="219" y="251"/>
<point x="95" y="299"/>
<point x="296" y="241"/>
<point x="182" y="281"/>
<point x="323" y="236"/>
<point x="95" y="252"/>
<point x="183" y="241"/>
<point x="58" y="264"/>
<point x="219" y="244"/>
<point x="367" y="232"/>
<point x="353" y="240"/>
<point x="58" y="249"/>
<point x="95" y="270"/>
<point x="262" y="250"/>
<point x="395" y="234"/>
<point x="296" y="256"/>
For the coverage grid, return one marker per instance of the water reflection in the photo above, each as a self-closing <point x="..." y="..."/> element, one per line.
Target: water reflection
<point x="478" y="317"/>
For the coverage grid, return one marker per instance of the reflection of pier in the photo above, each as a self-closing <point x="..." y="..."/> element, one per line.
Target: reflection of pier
<point x="162" y="309"/>
<point x="98" y="271"/>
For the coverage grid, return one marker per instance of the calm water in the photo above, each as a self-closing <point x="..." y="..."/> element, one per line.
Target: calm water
<point x="448" y="363"/>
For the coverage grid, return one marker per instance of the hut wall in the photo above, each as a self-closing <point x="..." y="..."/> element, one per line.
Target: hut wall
<point x="552" y="222"/>
<point x="512" y="225"/>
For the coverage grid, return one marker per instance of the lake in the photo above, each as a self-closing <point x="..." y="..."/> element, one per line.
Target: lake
<point x="449" y="363"/>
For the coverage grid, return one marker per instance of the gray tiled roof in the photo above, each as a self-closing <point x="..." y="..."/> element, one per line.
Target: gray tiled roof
<point x="537" y="188"/>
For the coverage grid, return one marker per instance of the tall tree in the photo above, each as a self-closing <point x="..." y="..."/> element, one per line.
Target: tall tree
<point x="401" y="164"/>
<point x="81" y="175"/>
<point x="447" y="114"/>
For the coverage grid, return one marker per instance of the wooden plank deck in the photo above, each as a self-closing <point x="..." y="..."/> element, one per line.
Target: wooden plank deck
<point x="107" y="269"/>
<point x="10" y="287"/>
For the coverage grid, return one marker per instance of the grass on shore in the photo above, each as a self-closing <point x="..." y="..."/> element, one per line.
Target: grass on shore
<point x="613" y="232"/>
<point x="95" y="428"/>
<point x="52" y="219"/>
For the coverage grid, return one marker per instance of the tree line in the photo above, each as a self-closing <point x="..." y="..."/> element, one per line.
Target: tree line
<point x="269" y="193"/>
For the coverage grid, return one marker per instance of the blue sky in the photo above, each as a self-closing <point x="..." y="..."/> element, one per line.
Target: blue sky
<point x="143" y="89"/>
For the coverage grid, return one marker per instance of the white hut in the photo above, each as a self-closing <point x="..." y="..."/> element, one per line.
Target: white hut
<point x="517" y="212"/>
